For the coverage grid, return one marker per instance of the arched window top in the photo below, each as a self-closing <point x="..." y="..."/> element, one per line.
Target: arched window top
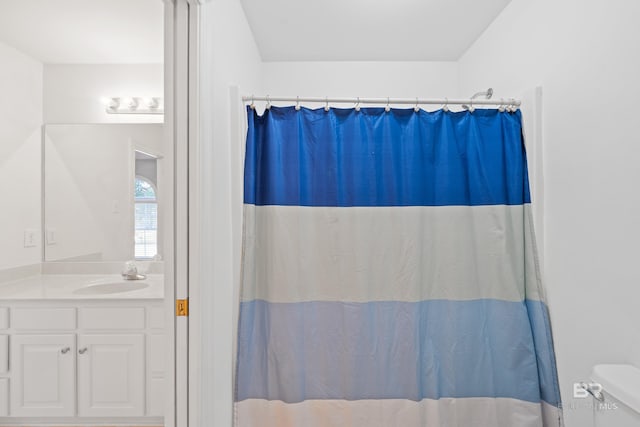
<point x="144" y="189"/>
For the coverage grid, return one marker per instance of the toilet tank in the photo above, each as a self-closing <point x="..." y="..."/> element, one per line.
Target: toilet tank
<point x="621" y="392"/>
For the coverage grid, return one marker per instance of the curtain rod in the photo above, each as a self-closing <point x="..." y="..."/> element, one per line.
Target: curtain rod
<point x="466" y="103"/>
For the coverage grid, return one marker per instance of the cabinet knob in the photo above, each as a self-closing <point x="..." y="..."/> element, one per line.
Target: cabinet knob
<point x="82" y="350"/>
<point x="65" y="350"/>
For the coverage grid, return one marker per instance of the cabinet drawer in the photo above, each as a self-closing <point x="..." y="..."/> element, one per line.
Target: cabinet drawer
<point x="43" y="319"/>
<point x="4" y="397"/>
<point x="111" y="318"/>
<point x="4" y="318"/>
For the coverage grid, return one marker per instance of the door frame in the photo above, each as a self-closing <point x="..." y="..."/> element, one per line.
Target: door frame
<point x="186" y="54"/>
<point x="176" y="131"/>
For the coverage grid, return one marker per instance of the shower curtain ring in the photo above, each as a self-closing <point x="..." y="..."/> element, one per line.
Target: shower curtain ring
<point x="445" y="108"/>
<point x="326" y="104"/>
<point x="268" y="106"/>
<point x="252" y="105"/>
<point x="358" y="104"/>
<point x="297" y="103"/>
<point x="514" y="107"/>
<point x="416" y="108"/>
<point x="501" y="107"/>
<point x="471" y="107"/>
<point x="388" y="107"/>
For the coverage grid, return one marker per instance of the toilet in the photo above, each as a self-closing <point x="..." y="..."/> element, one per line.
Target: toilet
<point x="620" y="388"/>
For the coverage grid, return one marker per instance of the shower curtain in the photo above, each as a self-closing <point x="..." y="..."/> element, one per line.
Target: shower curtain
<point x="390" y="275"/>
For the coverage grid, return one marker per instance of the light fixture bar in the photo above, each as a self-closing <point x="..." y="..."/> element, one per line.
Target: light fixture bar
<point x="133" y="105"/>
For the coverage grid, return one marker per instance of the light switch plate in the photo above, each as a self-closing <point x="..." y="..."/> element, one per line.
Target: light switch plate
<point x="30" y="238"/>
<point x="51" y="236"/>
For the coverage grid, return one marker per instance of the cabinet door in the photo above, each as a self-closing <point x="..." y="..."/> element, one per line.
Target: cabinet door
<point x="111" y="375"/>
<point x="43" y="371"/>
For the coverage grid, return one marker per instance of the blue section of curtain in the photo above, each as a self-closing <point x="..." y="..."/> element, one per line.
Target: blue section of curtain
<point x="371" y="157"/>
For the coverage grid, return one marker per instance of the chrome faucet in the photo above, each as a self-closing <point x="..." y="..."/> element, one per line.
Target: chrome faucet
<point x="131" y="272"/>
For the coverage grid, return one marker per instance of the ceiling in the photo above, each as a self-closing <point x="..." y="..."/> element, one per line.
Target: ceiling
<point x="131" y="31"/>
<point x="368" y="30"/>
<point x="85" y="31"/>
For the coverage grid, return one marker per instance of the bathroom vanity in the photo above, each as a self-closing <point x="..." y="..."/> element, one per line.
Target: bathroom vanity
<point x="80" y="344"/>
<point x="88" y="347"/>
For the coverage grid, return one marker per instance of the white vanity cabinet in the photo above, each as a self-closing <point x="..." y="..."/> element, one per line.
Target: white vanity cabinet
<point x="84" y="359"/>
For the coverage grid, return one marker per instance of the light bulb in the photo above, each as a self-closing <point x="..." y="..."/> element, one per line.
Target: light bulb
<point x="130" y="103"/>
<point x="110" y="103"/>
<point x="151" y="103"/>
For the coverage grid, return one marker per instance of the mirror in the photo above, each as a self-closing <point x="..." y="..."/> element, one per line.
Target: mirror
<point x="102" y="192"/>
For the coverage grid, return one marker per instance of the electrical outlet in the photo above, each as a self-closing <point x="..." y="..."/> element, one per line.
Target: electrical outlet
<point x="30" y="238"/>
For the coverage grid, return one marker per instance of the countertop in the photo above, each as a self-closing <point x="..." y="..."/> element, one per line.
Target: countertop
<point x="78" y="287"/>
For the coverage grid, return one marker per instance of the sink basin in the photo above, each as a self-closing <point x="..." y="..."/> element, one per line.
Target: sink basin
<point x="111" y="288"/>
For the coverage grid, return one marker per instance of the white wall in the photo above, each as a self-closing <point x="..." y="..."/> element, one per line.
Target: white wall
<point x="585" y="56"/>
<point x="231" y="58"/>
<point x="364" y="79"/>
<point x="72" y="92"/>
<point x="20" y="121"/>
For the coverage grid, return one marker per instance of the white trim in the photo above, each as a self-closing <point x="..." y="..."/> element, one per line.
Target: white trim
<point x="532" y="129"/>
<point x="80" y="421"/>
<point x="238" y="131"/>
<point x="196" y="188"/>
<point x="167" y="220"/>
<point x="200" y="227"/>
<point x="181" y="209"/>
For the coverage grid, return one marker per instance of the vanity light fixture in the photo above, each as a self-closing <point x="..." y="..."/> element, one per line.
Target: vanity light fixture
<point x="133" y="105"/>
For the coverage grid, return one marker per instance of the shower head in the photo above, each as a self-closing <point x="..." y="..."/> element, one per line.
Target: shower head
<point x="487" y="94"/>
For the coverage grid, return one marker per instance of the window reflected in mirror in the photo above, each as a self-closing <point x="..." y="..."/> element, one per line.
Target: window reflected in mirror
<point x="145" y="212"/>
<point x="146" y="219"/>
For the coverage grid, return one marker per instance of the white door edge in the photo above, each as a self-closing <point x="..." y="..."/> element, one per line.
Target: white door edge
<point x="181" y="17"/>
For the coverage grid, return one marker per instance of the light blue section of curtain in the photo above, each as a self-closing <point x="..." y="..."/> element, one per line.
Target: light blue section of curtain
<point x="394" y="350"/>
